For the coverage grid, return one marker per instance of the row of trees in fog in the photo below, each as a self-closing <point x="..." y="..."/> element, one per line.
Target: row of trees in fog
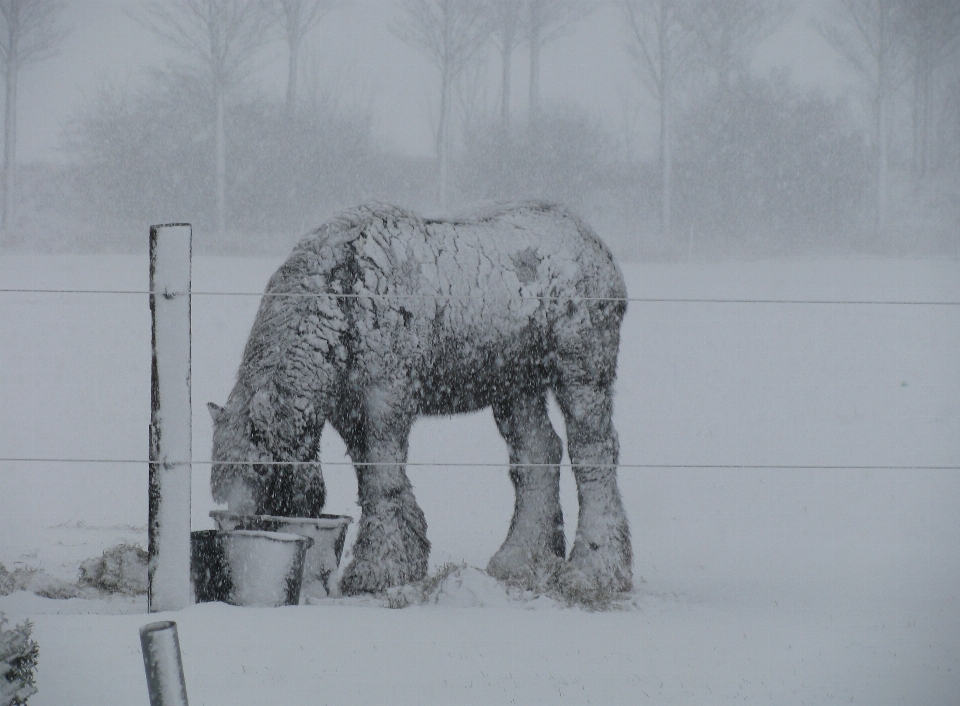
<point x="453" y="33"/>
<point x="735" y="154"/>
<point x="219" y="42"/>
<point x="887" y="43"/>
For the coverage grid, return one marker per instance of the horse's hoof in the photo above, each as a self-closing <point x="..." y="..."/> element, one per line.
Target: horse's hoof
<point x="510" y="564"/>
<point x="355" y="582"/>
<point x="605" y="569"/>
<point x="364" y="576"/>
<point x="521" y="565"/>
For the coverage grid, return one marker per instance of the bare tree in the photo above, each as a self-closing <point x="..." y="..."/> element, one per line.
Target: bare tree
<point x="219" y="40"/>
<point x="31" y="32"/>
<point x="546" y="21"/>
<point x="933" y="35"/>
<point x="945" y="121"/>
<point x="729" y="32"/>
<point x="659" y="44"/>
<point x="471" y="91"/>
<point x="451" y="33"/>
<point x="298" y="18"/>
<point x="867" y="35"/>
<point x="507" y="34"/>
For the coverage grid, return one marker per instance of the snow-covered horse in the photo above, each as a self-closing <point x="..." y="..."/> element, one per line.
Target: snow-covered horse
<point x="379" y="316"/>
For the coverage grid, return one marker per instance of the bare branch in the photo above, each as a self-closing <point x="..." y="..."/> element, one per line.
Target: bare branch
<point x="31" y="30"/>
<point x="550" y="19"/>
<point x="219" y="37"/>
<point x="299" y="17"/>
<point x="449" y="32"/>
<point x="868" y="35"/>
<point x="504" y="17"/>
<point x="659" y="41"/>
<point x="729" y="31"/>
<point x="452" y="34"/>
<point x="934" y="30"/>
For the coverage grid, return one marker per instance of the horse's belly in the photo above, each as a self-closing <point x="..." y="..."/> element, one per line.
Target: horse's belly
<point x="455" y="396"/>
<point x="464" y="378"/>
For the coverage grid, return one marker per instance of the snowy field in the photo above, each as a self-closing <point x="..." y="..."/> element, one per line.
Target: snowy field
<point x="786" y="586"/>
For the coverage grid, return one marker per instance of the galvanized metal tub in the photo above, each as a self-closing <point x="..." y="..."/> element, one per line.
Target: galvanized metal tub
<point x="266" y="568"/>
<point x="328" y="533"/>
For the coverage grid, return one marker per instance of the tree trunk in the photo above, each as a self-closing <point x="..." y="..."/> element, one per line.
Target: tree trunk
<point x="505" y="88"/>
<point x="221" y="166"/>
<point x="724" y="60"/>
<point x="881" y="206"/>
<point x="10" y="134"/>
<point x="915" y="115"/>
<point x="666" y="166"/>
<point x="294" y="45"/>
<point x="883" y="84"/>
<point x="921" y="112"/>
<point x="442" y="140"/>
<point x="534" y="59"/>
<point x="925" y="119"/>
<point x="666" y="152"/>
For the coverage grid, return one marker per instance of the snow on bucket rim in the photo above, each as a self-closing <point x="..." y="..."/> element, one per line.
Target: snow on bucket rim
<point x="322" y="522"/>
<point x="277" y="536"/>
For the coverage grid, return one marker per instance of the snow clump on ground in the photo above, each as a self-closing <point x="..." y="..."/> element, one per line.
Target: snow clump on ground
<point x="121" y="569"/>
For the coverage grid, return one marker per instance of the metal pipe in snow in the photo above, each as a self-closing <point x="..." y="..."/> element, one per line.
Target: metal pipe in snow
<point x="163" y="664"/>
<point x="170" y="418"/>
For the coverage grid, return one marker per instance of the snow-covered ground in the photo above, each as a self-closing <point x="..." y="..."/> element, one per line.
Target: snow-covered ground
<point x="789" y="586"/>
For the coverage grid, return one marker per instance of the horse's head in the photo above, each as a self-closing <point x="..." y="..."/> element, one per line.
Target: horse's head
<point x="260" y="469"/>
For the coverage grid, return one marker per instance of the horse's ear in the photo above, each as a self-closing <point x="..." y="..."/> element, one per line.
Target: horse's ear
<point x="215" y="411"/>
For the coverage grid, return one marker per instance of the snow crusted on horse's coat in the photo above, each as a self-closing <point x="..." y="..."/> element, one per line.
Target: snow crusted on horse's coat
<point x="381" y="315"/>
<point x="483" y="280"/>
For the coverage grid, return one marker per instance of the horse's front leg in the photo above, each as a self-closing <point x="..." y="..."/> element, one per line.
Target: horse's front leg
<point x="536" y="530"/>
<point x="391" y="548"/>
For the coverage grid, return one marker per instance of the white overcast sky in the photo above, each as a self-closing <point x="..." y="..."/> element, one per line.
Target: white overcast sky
<point x="362" y="60"/>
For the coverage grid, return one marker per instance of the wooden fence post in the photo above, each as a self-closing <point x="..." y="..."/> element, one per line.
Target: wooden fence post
<point x="170" y="418"/>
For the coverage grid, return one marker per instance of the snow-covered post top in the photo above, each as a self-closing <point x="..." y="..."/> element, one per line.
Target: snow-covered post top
<point x="170" y="419"/>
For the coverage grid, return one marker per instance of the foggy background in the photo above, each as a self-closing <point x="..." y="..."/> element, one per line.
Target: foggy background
<point x="689" y="130"/>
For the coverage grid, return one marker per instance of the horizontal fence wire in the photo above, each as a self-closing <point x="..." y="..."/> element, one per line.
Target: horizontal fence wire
<point x="648" y="300"/>
<point x="468" y="297"/>
<point x="747" y="466"/>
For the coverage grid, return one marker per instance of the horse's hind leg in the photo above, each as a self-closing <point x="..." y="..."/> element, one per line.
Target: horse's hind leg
<point x="601" y="549"/>
<point x="536" y="530"/>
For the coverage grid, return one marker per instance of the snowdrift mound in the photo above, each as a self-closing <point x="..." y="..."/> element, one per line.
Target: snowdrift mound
<point x="122" y="569"/>
<point x="38" y="581"/>
<point x="462" y="586"/>
<point x="453" y="585"/>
